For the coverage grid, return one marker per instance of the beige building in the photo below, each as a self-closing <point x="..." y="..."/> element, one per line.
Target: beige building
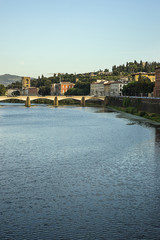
<point x="12" y="91"/>
<point x="107" y="88"/>
<point x="116" y="88"/>
<point x="97" y="88"/>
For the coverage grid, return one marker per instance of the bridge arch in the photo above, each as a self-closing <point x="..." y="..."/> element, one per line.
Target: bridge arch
<point x="5" y="98"/>
<point x="55" y="99"/>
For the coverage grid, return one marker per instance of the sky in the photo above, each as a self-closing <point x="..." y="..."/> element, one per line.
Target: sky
<point x="76" y="36"/>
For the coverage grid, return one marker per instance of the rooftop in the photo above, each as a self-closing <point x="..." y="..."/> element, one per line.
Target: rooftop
<point x="66" y="83"/>
<point x="143" y="73"/>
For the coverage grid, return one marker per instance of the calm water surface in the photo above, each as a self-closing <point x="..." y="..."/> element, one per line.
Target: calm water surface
<point x="77" y="173"/>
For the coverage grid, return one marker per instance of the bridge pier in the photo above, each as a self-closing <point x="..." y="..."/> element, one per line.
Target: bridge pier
<point x="56" y="101"/>
<point x="28" y="102"/>
<point x="83" y="101"/>
<point x="106" y="101"/>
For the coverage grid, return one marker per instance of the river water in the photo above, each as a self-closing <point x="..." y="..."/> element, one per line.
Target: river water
<point x="78" y="173"/>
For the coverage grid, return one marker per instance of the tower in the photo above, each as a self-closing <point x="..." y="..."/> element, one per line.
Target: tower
<point x="26" y="82"/>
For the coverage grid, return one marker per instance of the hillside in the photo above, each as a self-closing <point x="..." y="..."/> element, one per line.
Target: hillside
<point x="7" y="79"/>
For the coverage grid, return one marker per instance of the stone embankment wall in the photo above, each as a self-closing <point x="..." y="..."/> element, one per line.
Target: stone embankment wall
<point x="150" y="105"/>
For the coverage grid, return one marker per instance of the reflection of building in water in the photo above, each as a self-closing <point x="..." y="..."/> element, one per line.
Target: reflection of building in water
<point x="157" y="135"/>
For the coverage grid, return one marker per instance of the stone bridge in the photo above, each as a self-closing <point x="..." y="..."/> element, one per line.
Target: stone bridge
<point x="55" y="99"/>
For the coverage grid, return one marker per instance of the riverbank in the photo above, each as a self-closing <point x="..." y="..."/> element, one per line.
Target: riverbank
<point x="134" y="111"/>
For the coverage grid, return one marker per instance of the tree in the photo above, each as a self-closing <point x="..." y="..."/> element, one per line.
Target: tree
<point x="2" y="90"/>
<point x="80" y="89"/>
<point x="15" y="85"/>
<point x="44" y="91"/>
<point x="145" y="80"/>
<point x="16" y="93"/>
<point x="72" y="92"/>
<point x="140" y="77"/>
<point x="138" y="88"/>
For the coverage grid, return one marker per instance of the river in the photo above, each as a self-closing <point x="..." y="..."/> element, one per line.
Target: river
<point x="78" y="173"/>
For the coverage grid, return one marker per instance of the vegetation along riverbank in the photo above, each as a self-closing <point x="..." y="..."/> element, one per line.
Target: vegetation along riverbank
<point x="133" y="110"/>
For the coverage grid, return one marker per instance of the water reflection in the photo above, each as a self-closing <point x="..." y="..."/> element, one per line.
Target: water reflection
<point x="73" y="173"/>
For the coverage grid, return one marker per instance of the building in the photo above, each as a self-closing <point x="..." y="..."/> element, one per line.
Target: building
<point x="157" y="83"/>
<point x="151" y="76"/>
<point x="61" y="88"/>
<point x="107" y="88"/>
<point x="116" y="88"/>
<point x="13" y="92"/>
<point x="32" y="91"/>
<point x="27" y="90"/>
<point x="53" y="89"/>
<point x="26" y="82"/>
<point x="97" y="88"/>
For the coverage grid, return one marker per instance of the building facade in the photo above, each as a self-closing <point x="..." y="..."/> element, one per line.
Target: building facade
<point x="61" y="88"/>
<point x="106" y="88"/>
<point x="32" y="91"/>
<point x="157" y="83"/>
<point x="151" y="76"/>
<point x="116" y="88"/>
<point x="26" y="82"/>
<point x="13" y="92"/>
<point x="97" y="88"/>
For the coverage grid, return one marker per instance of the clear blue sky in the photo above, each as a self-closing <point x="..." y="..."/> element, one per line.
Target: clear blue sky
<point x="46" y="36"/>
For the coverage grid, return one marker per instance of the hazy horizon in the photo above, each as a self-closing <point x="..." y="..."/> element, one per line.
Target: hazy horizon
<point x="73" y="36"/>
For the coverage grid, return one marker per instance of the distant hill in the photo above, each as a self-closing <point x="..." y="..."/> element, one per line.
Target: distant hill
<point x="7" y="79"/>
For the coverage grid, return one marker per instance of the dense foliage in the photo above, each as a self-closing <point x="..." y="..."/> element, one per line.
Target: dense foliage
<point x="134" y="67"/>
<point x="141" y="87"/>
<point x="2" y="90"/>
<point x="80" y="89"/>
<point x="15" y="85"/>
<point x="16" y="93"/>
<point x="44" y="90"/>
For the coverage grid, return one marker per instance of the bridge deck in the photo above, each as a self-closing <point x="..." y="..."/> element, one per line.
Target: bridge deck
<point x="79" y="98"/>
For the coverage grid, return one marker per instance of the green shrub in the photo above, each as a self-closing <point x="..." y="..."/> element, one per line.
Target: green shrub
<point x="138" y="103"/>
<point x="126" y="102"/>
<point x="131" y="110"/>
<point x="153" y="115"/>
<point x="142" y="113"/>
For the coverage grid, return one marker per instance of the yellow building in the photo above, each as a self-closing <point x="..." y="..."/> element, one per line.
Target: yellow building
<point x="151" y="76"/>
<point x="26" y="82"/>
